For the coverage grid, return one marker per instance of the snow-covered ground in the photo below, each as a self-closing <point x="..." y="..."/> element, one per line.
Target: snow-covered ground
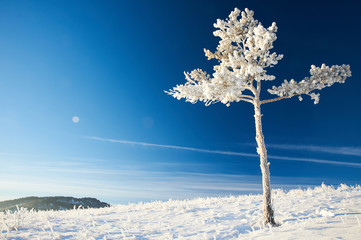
<point x="324" y="212"/>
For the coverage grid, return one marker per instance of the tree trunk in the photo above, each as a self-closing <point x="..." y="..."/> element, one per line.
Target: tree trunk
<point x="261" y="150"/>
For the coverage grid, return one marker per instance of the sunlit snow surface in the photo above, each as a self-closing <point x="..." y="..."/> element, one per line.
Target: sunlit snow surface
<point x="321" y="213"/>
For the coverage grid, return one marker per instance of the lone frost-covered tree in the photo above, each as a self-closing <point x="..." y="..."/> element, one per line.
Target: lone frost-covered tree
<point x="243" y="55"/>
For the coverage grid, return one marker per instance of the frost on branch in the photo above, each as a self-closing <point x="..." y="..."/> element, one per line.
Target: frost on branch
<point x="321" y="77"/>
<point x="243" y="54"/>
<point x="200" y="87"/>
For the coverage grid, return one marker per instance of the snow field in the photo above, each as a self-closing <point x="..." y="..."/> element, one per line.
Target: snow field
<point x="320" y="213"/>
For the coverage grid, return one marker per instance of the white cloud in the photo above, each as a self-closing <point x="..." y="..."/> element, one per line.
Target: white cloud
<point x="144" y="144"/>
<point x="286" y="158"/>
<point x="353" y="151"/>
<point x="350" y="164"/>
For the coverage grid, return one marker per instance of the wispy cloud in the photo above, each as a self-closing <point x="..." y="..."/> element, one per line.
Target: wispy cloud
<point x="127" y="184"/>
<point x="144" y="144"/>
<point x="314" y="160"/>
<point x="135" y="186"/>
<point x="352" y="151"/>
<point x="286" y="158"/>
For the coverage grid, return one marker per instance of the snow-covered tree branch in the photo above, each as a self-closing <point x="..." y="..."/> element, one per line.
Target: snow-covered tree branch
<point x="321" y="77"/>
<point x="243" y="55"/>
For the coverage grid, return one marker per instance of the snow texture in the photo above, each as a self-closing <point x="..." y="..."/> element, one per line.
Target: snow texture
<point x="324" y="212"/>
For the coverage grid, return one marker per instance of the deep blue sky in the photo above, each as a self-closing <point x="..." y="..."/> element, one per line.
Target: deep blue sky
<point x="108" y="62"/>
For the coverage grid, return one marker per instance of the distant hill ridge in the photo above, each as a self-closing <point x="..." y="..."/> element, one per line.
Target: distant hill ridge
<point x="51" y="203"/>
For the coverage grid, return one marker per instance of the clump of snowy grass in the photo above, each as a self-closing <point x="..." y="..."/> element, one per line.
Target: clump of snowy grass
<point x="12" y="220"/>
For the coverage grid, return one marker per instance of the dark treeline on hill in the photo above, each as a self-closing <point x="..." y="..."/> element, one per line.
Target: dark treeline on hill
<point x="51" y="203"/>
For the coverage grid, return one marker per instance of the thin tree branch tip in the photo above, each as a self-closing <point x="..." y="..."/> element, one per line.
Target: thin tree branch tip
<point x="243" y="56"/>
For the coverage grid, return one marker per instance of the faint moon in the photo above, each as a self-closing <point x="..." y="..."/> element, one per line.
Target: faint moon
<point x="75" y="119"/>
